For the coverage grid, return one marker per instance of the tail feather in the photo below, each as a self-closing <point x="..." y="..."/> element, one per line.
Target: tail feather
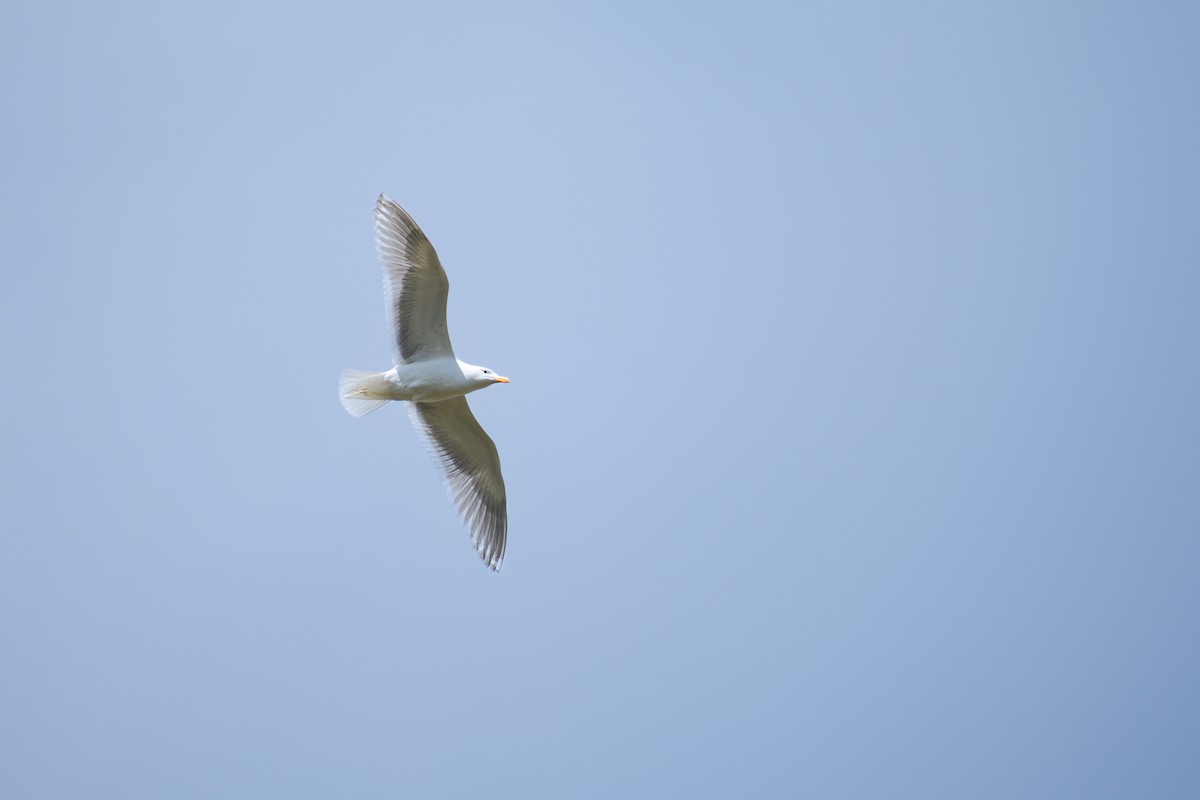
<point x="362" y="392"/>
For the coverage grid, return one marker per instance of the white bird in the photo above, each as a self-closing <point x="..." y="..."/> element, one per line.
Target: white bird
<point x="432" y="379"/>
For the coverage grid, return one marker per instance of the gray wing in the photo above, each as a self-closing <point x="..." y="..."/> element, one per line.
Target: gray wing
<point x="415" y="283"/>
<point x="471" y="466"/>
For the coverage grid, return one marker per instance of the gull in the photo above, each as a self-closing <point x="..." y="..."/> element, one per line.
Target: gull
<point x="432" y="380"/>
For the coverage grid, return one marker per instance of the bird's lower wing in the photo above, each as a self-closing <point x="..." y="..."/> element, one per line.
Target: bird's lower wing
<point x="471" y="466"/>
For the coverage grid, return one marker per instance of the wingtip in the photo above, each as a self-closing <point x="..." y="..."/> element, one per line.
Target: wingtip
<point x="492" y="561"/>
<point x="390" y="213"/>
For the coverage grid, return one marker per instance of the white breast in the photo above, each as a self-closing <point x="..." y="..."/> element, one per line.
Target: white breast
<point x="429" y="381"/>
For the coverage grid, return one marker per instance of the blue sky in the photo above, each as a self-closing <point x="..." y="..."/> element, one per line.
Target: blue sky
<point x="852" y="446"/>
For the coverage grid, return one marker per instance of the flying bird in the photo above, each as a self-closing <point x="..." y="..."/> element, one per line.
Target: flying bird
<point x="432" y="380"/>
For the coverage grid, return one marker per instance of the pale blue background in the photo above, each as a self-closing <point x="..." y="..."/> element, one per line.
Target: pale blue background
<point x="852" y="445"/>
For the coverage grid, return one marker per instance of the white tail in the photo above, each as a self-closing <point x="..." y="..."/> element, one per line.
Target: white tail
<point x="362" y="392"/>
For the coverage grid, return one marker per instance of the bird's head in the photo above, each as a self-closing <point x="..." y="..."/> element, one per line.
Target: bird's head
<point x="485" y="377"/>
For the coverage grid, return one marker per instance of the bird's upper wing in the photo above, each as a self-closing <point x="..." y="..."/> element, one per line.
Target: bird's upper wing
<point x="471" y="467"/>
<point x="415" y="283"/>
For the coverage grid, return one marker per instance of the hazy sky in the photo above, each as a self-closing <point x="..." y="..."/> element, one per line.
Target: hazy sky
<point x="852" y="444"/>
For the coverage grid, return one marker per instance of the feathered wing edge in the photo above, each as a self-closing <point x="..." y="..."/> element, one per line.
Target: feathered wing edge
<point x="470" y="465"/>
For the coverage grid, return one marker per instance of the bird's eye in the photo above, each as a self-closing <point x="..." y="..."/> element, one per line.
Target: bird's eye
<point x="487" y="372"/>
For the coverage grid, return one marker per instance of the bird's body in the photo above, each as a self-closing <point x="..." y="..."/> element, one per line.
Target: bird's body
<point x="425" y="381"/>
<point x="433" y="380"/>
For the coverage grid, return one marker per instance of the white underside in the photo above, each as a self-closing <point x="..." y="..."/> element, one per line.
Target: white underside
<point x="422" y="381"/>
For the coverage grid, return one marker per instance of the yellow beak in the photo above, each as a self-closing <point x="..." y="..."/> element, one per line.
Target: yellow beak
<point x="501" y="379"/>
